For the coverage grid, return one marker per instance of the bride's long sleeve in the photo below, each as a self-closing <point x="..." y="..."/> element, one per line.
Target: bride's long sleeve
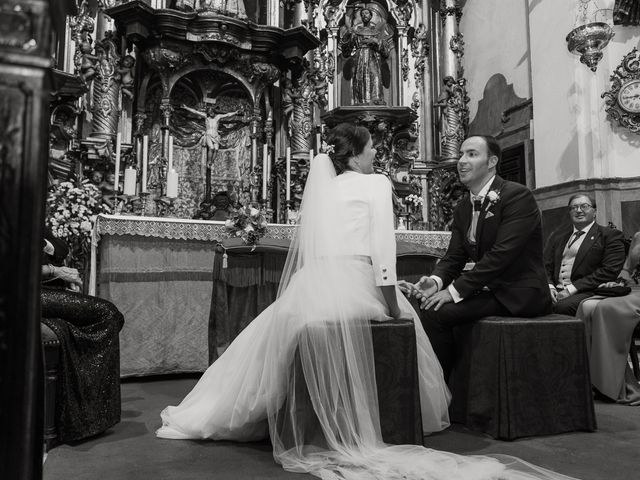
<point x="382" y="235"/>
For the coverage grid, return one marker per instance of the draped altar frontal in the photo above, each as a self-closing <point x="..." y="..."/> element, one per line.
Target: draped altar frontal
<point x="159" y="273"/>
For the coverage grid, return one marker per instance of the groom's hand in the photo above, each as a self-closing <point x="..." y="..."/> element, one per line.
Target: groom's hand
<point x="424" y="289"/>
<point x="437" y="300"/>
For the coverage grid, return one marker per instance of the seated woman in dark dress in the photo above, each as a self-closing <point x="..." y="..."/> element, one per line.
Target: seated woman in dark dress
<point x="87" y="328"/>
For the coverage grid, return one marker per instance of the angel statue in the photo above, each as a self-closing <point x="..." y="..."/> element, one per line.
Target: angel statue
<point x="366" y="41"/>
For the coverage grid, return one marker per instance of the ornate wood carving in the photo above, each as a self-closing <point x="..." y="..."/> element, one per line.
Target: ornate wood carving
<point x="445" y="191"/>
<point x="106" y="89"/>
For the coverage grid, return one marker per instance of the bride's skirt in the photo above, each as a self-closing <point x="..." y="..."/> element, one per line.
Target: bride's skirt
<point x="230" y="400"/>
<point x="249" y="391"/>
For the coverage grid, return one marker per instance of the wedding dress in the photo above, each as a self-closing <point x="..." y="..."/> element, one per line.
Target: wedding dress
<point x="343" y="251"/>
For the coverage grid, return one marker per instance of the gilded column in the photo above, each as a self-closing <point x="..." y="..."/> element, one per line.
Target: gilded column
<point x="106" y="89"/>
<point x="453" y="99"/>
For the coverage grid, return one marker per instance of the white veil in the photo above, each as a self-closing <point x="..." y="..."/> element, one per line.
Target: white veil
<point x="323" y="415"/>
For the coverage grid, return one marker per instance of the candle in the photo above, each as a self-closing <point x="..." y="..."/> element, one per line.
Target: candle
<point x="116" y="182"/>
<point x="265" y="161"/>
<point x="129" y="181"/>
<point x="145" y="162"/>
<point x="318" y="142"/>
<point x="310" y="156"/>
<point x="172" y="184"/>
<point x="288" y="176"/>
<point x="170" y="152"/>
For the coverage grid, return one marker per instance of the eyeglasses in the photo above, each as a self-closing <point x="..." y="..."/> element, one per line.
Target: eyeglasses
<point x="583" y="206"/>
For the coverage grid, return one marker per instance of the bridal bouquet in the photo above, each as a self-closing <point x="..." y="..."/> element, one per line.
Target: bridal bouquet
<point x="247" y="223"/>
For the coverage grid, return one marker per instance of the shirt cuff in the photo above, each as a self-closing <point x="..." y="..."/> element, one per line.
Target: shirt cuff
<point x="454" y="294"/>
<point x="438" y="281"/>
<point x="385" y="275"/>
<point x="571" y="289"/>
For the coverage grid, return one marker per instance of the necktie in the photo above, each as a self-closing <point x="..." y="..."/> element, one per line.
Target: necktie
<point x="575" y="238"/>
<point x="477" y="206"/>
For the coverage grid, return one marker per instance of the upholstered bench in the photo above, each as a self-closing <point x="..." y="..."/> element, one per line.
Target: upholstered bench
<point x="396" y="370"/>
<point x="51" y="352"/>
<point x="520" y="377"/>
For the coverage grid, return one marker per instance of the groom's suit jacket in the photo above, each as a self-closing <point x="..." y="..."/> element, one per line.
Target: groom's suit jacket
<point x="599" y="259"/>
<point x="507" y="253"/>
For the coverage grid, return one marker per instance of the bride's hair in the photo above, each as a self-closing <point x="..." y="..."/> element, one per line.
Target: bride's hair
<point x="347" y="140"/>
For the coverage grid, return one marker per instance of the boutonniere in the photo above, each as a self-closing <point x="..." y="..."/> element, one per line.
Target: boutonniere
<point x="493" y="197"/>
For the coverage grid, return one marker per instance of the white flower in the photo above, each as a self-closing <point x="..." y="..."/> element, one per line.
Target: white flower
<point x="254" y="212"/>
<point x="493" y="196"/>
<point x="85" y="226"/>
<point x="248" y="228"/>
<point x="228" y="224"/>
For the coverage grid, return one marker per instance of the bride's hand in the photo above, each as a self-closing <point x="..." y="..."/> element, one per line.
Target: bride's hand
<point x="407" y="288"/>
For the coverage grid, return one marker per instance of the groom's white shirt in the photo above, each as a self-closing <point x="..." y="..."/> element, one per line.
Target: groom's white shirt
<point x="452" y="290"/>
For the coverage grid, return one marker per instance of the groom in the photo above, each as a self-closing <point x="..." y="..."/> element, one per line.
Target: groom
<point x="498" y="227"/>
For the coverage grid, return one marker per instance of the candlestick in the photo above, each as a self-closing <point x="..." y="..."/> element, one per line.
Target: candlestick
<point x="172" y="184"/>
<point x="145" y="163"/>
<point x="288" y="175"/>
<point x="318" y="142"/>
<point x="170" y="152"/>
<point x="129" y="181"/>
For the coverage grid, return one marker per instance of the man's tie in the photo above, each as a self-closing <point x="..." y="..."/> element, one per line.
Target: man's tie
<point x="477" y="206"/>
<point x="575" y="238"/>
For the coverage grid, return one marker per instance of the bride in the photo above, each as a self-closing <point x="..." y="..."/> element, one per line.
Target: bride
<point x="339" y="276"/>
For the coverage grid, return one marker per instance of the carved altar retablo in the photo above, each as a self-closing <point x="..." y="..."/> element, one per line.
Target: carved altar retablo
<point x="207" y="85"/>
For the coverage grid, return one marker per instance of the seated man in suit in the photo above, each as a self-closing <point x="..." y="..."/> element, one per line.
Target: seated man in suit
<point x="497" y="226"/>
<point x="581" y="256"/>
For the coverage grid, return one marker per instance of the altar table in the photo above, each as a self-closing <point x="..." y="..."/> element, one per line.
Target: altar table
<point x="159" y="273"/>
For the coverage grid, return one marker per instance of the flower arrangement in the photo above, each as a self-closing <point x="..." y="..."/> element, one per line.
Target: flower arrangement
<point x="72" y="212"/>
<point x="247" y="223"/>
<point x="414" y="200"/>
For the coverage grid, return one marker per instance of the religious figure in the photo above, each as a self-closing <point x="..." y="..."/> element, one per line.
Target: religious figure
<point x="211" y="136"/>
<point x="125" y="73"/>
<point x="107" y="188"/>
<point x="88" y="62"/>
<point x="234" y="8"/>
<point x="210" y="139"/>
<point x="365" y="41"/>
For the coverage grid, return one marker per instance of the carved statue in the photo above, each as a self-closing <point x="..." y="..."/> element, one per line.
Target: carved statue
<point x="210" y="137"/>
<point x="234" y="8"/>
<point x="125" y="73"/>
<point x="88" y="61"/>
<point x="367" y="43"/>
<point x="452" y="103"/>
<point x="107" y="189"/>
<point x="157" y="173"/>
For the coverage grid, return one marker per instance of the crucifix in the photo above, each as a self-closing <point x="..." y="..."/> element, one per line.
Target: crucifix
<point x="210" y="139"/>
